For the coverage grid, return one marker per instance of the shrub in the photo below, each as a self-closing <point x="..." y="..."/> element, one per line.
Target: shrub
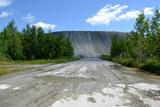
<point x="106" y="57"/>
<point x="130" y="62"/>
<point x="152" y="66"/>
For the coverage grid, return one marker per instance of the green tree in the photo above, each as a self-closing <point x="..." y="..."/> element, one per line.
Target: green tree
<point x="51" y="46"/>
<point x="138" y="38"/>
<point x="153" y="40"/>
<point x="67" y="49"/>
<point x="155" y="23"/>
<point x="120" y="47"/>
<point x="30" y="42"/>
<point x="13" y="38"/>
<point x="3" y="48"/>
<point x="41" y="45"/>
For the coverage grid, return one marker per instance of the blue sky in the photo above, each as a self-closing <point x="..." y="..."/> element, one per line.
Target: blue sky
<point x="60" y="15"/>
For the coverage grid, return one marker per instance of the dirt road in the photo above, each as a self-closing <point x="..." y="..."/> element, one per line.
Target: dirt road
<point x="84" y="83"/>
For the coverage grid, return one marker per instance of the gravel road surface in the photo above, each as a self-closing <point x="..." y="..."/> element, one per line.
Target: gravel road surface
<point x="84" y="83"/>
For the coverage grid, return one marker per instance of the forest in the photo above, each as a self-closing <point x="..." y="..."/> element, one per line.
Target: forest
<point x="32" y="44"/>
<point x="141" y="47"/>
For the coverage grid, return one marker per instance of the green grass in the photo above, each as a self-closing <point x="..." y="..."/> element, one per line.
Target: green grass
<point x="5" y="66"/>
<point x="152" y="66"/>
<point x="42" y="61"/>
<point x="3" y="70"/>
<point x="8" y="70"/>
<point x="129" y="62"/>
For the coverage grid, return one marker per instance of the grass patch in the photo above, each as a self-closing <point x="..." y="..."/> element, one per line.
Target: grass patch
<point x="129" y="62"/>
<point x="42" y="61"/>
<point x="54" y="61"/>
<point x="124" y="61"/>
<point x="7" y="68"/>
<point x="152" y="66"/>
<point x="3" y="71"/>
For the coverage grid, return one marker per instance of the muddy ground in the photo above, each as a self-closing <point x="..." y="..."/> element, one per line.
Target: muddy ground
<point x="83" y="83"/>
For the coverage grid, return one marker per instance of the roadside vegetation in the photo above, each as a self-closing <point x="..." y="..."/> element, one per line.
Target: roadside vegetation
<point x="32" y="46"/>
<point x="141" y="48"/>
<point x="8" y="69"/>
<point x="40" y="61"/>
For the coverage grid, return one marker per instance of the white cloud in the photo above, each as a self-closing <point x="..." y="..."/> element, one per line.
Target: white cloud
<point x="5" y="14"/>
<point x="111" y="13"/>
<point x="45" y="26"/>
<point x="29" y="18"/>
<point x="5" y="3"/>
<point x="106" y="14"/>
<point x="129" y="15"/>
<point x="133" y="14"/>
<point x="148" y="11"/>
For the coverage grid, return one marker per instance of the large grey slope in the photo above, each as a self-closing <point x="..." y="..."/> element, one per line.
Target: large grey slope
<point x="90" y="43"/>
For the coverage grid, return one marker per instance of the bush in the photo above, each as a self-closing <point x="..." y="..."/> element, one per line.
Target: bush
<point x="130" y="62"/>
<point x="152" y="66"/>
<point x="106" y="57"/>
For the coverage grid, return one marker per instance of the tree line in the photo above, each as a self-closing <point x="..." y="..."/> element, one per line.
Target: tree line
<point x="32" y="43"/>
<point x="141" y="47"/>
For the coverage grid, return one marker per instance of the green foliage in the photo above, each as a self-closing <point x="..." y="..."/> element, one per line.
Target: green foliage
<point x="155" y="23"/>
<point x="106" y="57"/>
<point x="130" y="62"/>
<point x="12" y="40"/>
<point x="118" y="46"/>
<point x="3" y="48"/>
<point x="40" y="61"/>
<point x="152" y="66"/>
<point x="142" y="46"/>
<point x="32" y="43"/>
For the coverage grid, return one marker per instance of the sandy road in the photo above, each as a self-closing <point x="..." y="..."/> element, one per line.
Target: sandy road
<point x="84" y="83"/>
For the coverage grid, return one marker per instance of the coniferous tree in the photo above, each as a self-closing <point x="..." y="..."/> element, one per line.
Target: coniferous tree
<point x="138" y="38"/>
<point x="12" y="36"/>
<point x="155" y="23"/>
<point x="32" y="44"/>
<point x="3" y="48"/>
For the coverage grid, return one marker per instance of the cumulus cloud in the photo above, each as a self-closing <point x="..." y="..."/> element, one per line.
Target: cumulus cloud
<point x="29" y="18"/>
<point x="129" y="15"/>
<point x="148" y="11"/>
<point x="45" y="26"/>
<point x="133" y="14"/>
<point x="5" y="14"/>
<point x="106" y="14"/>
<point x="111" y="13"/>
<point x="5" y="3"/>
